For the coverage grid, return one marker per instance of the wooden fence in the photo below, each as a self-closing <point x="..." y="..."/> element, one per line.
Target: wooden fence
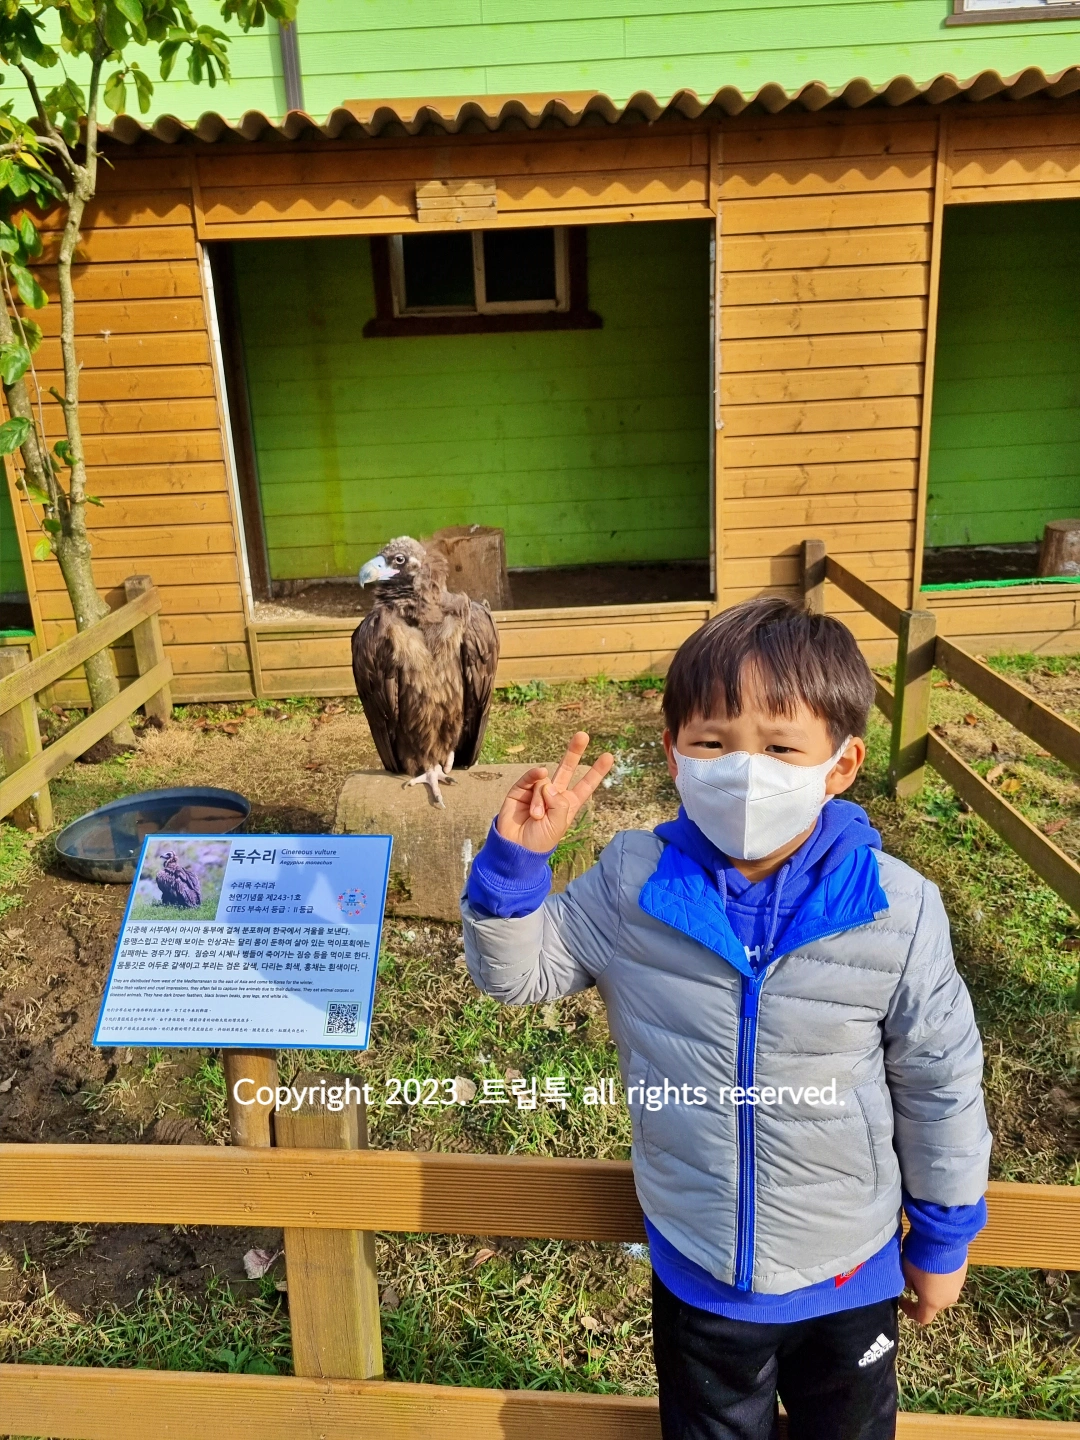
<point x="24" y="790"/>
<point x="919" y="650"/>
<point x="330" y="1194"/>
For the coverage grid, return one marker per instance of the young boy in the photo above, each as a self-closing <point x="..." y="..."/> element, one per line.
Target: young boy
<point x="799" y="1054"/>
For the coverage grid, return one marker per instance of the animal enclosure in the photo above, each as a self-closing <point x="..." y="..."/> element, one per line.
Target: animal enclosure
<point x="827" y="240"/>
<point x="587" y="446"/>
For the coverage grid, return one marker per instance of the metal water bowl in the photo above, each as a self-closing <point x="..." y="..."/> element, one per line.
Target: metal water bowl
<point x="105" y="844"/>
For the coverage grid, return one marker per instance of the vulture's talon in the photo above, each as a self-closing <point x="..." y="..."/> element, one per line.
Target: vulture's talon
<point x="432" y="779"/>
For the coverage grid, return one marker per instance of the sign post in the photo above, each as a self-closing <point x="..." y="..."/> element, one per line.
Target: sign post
<point x="250" y="1125"/>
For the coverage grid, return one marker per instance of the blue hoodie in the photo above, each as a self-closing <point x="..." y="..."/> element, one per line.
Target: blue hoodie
<point x="696" y="886"/>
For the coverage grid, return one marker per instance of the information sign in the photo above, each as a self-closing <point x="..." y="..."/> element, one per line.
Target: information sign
<point x="249" y="942"/>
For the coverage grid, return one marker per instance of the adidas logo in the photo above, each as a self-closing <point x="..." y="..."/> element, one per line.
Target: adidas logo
<point x="881" y="1346"/>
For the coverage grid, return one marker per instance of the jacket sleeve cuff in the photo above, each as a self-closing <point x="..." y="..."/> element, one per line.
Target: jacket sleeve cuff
<point x="506" y="880"/>
<point x="938" y="1239"/>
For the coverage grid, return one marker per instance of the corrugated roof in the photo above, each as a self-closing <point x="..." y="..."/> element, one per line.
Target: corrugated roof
<point x="451" y="114"/>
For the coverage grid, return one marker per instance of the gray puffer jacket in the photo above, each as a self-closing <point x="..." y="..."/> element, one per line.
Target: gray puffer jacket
<point x="869" y="1032"/>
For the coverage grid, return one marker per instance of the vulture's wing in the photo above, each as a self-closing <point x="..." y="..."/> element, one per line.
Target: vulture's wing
<point x="479" y="658"/>
<point x="375" y="671"/>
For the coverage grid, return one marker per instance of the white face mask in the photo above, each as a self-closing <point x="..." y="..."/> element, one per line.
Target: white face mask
<point x="751" y="805"/>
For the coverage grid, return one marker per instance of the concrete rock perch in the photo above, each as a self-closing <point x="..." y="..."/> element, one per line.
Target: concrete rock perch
<point x="433" y="846"/>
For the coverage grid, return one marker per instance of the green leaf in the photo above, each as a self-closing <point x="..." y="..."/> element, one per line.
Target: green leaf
<point x="30" y="236"/>
<point x="94" y="500"/>
<point x="12" y="433"/>
<point x="43" y="549"/>
<point x="115" y="92"/>
<point x="37" y="495"/>
<point x="52" y="526"/>
<point x="14" y="362"/>
<point x="131" y="10"/>
<point x="144" y="87"/>
<point x="82" y="10"/>
<point x="30" y="292"/>
<point x="32" y="332"/>
<point x="116" y="29"/>
<point x="62" y="451"/>
<point x="259" y="1365"/>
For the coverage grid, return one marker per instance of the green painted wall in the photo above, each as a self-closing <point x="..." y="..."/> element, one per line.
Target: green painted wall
<point x="12" y="581"/>
<point x="379" y="49"/>
<point x="1005" y="432"/>
<point x="584" y="445"/>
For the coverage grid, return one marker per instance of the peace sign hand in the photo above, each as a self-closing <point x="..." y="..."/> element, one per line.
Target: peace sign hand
<point x="538" y="811"/>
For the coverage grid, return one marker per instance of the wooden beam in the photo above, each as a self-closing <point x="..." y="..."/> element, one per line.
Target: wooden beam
<point x="149" y="650"/>
<point x="333" y="1283"/>
<point x="911" y="702"/>
<point x="863" y="594"/>
<point x="813" y="576"/>
<point x="80" y="1403"/>
<point x="76" y="651"/>
<point x="424" y="1192"/>
<point x="29" y="780"/>
<point x="1059" y="870"/>
<point x="20" y="743"/>
<point x="1044" y="726"/>
<point x="251" y="1122"/>
<point x="937" y="233"/>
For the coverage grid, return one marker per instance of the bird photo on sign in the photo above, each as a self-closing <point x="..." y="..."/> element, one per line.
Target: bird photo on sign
<point x="424" y="663"/>
<point x="180" y="880"/>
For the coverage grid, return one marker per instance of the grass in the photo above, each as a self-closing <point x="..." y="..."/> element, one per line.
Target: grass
<point x="560" y="1316"/>
<point x="164" y="1329"/>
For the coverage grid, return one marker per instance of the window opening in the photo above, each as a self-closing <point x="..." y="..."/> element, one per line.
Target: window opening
<point x="487" y="272"/>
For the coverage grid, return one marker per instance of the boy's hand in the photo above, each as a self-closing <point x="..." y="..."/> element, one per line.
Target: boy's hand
<point x="538" y="812"/>
<point x="933" y="1292"/>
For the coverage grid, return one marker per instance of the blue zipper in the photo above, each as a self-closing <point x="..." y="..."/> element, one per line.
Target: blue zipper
<point x="747" y="1136"/>
<point x="745" y="1067"/>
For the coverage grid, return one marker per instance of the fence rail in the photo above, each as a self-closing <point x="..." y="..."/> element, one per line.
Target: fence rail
<point x="422" y="1192"/>
<point x="914" y="744"/>
<point x="24" y="790"/>
<point x="327" y="1193"/>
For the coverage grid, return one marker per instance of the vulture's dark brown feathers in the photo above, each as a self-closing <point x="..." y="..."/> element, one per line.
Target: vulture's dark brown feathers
<point x="179" y="885"/>
<point x="424" y="664"/>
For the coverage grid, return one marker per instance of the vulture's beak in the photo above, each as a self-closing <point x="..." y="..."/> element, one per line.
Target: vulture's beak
<point x="374" y="571"/>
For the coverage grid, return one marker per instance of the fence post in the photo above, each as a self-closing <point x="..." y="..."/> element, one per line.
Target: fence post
<point x="911" y="701"/>
<point x="333" y="1285"/>
<point x="813" y="576"/>
<point x="250" y="1125"/>
<point x="149" y="650"/>
<point x="20" y="742"/>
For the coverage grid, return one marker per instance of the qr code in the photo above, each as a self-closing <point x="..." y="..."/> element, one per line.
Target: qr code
<point x="342" y="1019"/>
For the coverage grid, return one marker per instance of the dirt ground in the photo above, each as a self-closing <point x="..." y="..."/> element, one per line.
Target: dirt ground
<point x="531" y="590"/>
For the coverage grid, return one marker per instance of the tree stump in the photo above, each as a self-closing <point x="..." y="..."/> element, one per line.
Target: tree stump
<point x="476" y="555"/>
<point x="433" y="846"/>
<point x="1060" y="552"/>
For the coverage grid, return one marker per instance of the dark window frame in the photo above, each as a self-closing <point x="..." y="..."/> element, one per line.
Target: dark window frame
<point x="1017" y="14"/>
<point x="577" y="316"/>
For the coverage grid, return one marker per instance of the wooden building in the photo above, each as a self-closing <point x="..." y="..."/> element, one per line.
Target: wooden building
<point x="851" y="319"/>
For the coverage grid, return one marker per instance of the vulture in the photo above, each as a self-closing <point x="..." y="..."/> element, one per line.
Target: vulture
<point x="424" y="664"/>
<point x="179" y="885"/>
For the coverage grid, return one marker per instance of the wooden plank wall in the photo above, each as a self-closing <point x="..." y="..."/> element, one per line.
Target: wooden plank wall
<point x="546" y="178"/>
<point x="616" y="641"/>
<point x="825" y="248"/>
<point x="152" y="428"/>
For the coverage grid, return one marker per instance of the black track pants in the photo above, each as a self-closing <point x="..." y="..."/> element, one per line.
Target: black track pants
<point x="719" y="1378"/>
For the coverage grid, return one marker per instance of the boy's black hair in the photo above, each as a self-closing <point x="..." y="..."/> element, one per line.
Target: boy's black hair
<point x="795" y="656"/>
